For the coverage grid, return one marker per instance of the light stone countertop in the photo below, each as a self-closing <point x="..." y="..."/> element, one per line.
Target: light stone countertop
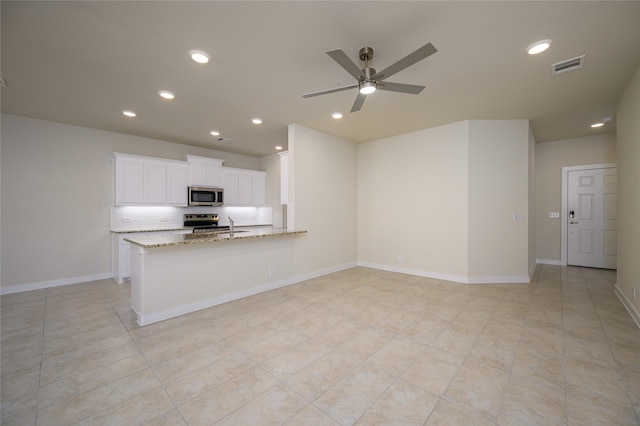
<point x="152" y="241"/>
<point x="177" y="228"/>
<point x="149" y="230"/>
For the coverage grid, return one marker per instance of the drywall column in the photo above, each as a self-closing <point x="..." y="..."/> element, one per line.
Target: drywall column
<point x="322" y="200"/>
<point x="627" y="112"/>
<point x="499" y="201"/>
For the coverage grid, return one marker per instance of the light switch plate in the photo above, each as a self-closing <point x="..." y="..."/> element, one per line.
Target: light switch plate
<point x="554" y="215"/>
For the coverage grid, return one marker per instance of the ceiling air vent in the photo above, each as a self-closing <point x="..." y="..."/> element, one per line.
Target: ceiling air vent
<point x="568" y="65"/>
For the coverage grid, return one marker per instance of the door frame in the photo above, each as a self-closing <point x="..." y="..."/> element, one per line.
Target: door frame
<point x="564" y="229"/>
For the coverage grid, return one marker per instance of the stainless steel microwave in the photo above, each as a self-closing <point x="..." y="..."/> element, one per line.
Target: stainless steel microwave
<point x="205" y="196"/>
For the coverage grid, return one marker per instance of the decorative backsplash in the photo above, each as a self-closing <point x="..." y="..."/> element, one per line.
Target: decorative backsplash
<point x="126" y="218"/>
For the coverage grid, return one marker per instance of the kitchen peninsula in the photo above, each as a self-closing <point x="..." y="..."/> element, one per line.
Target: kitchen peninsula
<point x="172" y="275"/>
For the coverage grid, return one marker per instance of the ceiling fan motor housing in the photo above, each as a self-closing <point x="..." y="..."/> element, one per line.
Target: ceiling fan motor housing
<point x="366" y="53"/>
<point x="368" y="72"/>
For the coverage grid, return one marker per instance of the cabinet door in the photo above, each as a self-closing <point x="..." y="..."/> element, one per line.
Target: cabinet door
<point x="177" y="184"/>
<point x="258" y="190"/>
<point x="129" y="181"/>
<point x="204" y="171"/>
<point x="125" y="259"/>
<point x="155" y="182"/>
<point x="212" y="174"/>
<point x="245" y="189"/>
<point x="230" y="185"/>
<point x="198" y="173"/>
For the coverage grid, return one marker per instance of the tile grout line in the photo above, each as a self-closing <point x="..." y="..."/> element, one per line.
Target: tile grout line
<point x="618" y="369"/>
<point x="149" y="366"/>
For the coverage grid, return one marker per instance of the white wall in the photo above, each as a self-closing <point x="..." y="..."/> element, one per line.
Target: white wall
<point x="440" y="202"/>
<point x="405" y="196"/>
<point x="551" y="157"/>
<point x="412" y="202"/>
<point x="498" y="190"/>
<point x="532" y="199"/>
<point x="56" y="196"/>
<point x="628" y="125"/>
<point x="322" y="200"/>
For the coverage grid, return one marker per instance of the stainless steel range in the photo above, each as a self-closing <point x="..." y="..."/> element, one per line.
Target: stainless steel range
<point x="203" y="222"/>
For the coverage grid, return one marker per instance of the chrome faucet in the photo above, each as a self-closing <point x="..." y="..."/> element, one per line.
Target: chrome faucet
<point x="230" y="225"/>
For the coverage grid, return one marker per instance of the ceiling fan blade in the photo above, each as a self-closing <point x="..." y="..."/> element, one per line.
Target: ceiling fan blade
<point x="324" y="92"/>
<point x="400" y="87"/>
<point x="405" y="62"/>
<point x="358" y="103"/>
<point x="343" y="60"/>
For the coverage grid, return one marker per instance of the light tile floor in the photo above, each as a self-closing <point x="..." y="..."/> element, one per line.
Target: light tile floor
<point x="360" y="346"/>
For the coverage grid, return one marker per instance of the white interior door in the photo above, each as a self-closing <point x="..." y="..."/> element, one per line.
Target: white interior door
<point x="591" y="218"/>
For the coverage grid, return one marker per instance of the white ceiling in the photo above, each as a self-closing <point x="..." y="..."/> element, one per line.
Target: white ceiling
<point x="83" y="62"/>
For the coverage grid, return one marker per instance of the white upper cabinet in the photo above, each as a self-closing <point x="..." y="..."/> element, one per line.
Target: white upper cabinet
<point x="258" y="189"/>
<point x="129" y="180"/>
<point x="204" y="171"/>
<point x="155" y="182"/>
<point x="150" y="181"/>
<point x="243" y="187"/>
<point x="177" y="181"/>
<point x="230" y="185"/>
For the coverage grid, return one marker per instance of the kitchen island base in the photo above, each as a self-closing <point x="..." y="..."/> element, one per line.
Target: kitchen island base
<point x="173" y="280"/>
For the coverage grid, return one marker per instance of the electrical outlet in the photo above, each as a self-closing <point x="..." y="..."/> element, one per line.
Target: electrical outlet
<point x="400" y="258"/>
<point x="163" y="219"/>
<point x="270" y="271"/>
<point x="634" y="293"/>
<point x="126" y="220"/>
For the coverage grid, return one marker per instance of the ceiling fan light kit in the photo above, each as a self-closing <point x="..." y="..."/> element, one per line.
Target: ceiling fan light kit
<point x="368" y="80"/>
<point x="367" y="87"/>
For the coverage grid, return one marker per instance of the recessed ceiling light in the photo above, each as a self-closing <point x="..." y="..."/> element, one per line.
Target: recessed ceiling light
<point x="215" y="133"/>
<point x="337" y="115"/>
<point x="278" y="147"/>
<point x="199" y="56"/>
<point x="538" y="47"/>
<point x="128" y="113"/>
<point x="256" y="120"/>
<point x="602" y="123"/>
<point x="167" y="94"/>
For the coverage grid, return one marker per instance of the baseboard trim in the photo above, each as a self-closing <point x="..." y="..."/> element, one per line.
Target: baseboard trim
<point x="627" y="304"/>
<point x="19" y="288"/>
<point x="411" y="271"/>
<point x="550" y="262"/>
<point x="229" y="297"/>
<point x="446" y="277"/>
<point x="503" y="279"/>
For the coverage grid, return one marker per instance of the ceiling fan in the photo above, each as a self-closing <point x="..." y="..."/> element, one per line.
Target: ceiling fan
<point x="369" y="80"/>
